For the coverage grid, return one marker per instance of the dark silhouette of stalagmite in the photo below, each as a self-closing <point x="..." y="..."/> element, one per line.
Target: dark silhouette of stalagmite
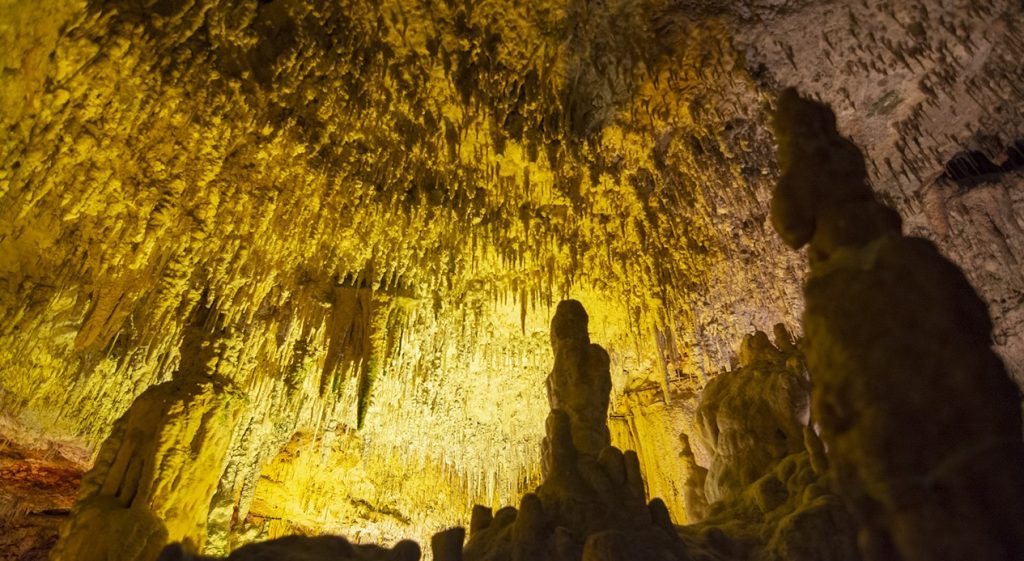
<point x="579" y="381"/>
<point x="304" y="548"/>
<point x="591" y="504"/>
<point x="922" y="424"/>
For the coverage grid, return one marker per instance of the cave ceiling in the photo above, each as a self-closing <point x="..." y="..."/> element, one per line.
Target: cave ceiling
<point x="364" y="212"/>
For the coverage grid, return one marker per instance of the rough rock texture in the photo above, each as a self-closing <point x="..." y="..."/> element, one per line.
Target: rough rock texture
<point x="765" y="479"/>
<point x="931" y="90"/>
<point x="920" y="420"/>
<point x="156" y="474"/>
<point x="37" y="489"/>
<point x="382" y="200"/>
<point x="749" y="419"/>
<point x="302" y="548"/>
<point x="579" y="382"/>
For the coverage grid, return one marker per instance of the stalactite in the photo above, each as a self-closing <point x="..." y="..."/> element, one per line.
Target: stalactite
<point x="248" y="155"/>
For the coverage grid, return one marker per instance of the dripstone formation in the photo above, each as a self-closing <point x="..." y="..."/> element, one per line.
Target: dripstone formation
<point x="591" y="504"/>
<point x="156" y="474"/>
<point x="579" y="382"/>
<point x="766" y="482"/>
<point x="765" y="494"/>
<point x="383" y="201"/>
<point x="921" y="422"/>
<point x="891" y="432"/>
<point x="288" y="267"/>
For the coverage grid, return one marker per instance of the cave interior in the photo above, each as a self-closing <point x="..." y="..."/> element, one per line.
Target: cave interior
<point x="616" y="280"/>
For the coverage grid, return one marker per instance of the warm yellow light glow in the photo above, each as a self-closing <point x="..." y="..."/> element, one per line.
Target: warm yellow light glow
<point x="380" y="222"/>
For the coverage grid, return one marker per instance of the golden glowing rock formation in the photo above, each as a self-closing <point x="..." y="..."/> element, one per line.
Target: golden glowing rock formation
<point x="156" y="473"/>
<point x="367" y="211"/>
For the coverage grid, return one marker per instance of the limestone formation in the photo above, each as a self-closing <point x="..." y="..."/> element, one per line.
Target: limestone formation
<point x="750" y="418"/>
<point x="579" y="382"/>
<point x="590" y="505"/>
<point x="155" y="475"/>
<point x="382" y="201"/>
<point x="587" y="508"/>
<point x="768" y="499"/>
<point x="921" y="424"/>
<point x="696" y="498"/>
<point x="157" y="472"/>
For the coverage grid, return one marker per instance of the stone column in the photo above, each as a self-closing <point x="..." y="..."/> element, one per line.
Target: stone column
<point x="921" y="423"/>
<point x="157" y="472"/>
<point x="579" y="382"/>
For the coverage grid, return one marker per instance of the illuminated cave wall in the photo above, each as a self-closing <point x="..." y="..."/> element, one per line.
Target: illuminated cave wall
<point x="368" y="209"/>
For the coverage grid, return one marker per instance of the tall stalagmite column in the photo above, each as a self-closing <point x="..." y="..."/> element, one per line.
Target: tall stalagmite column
<point x="591" y="504"/>
<point x="921" y="422"/>
<point x="579" y="382"/>
<point x="157" y="472"/>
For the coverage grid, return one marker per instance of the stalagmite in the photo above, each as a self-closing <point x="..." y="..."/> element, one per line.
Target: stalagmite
<point x="157" y="472"/>
<point x="921" y="423"/>
<point x="381" y="203"/>
<point x="695" y="497"/>
<point x="767" y="500"/>
<point x="447" y="545"/>
<point x="589" y="506"/>
<point x="579" y="382"/>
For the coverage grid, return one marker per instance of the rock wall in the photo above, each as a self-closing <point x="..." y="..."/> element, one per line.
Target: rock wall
<point x="930" y="90"/>
<point x="37" y="489"/>
<point x="379" y="203"/>
<point x="644" y="422"/>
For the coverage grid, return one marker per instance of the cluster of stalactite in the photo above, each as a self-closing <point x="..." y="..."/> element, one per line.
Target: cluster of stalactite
<point x="359" y="216"/>
<point x="875" y="438"/>
<point x="339" y="189"/>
